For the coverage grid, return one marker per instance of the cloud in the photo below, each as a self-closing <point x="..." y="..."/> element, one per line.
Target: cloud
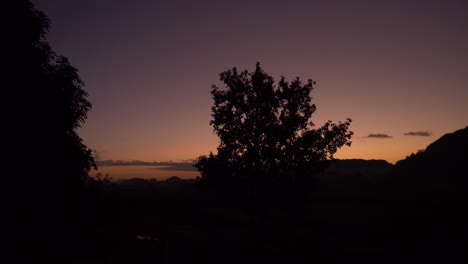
<point x="418" y="133"/>
<point x="186" y="165"/>
<point x="379" y="136"/>
<point x="177" y="166"/>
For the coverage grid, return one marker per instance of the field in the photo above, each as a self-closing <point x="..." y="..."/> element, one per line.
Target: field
<point x="340" y="221"/>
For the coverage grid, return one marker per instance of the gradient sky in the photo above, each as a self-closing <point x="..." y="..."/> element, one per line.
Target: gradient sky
<point x="393" y="67"/>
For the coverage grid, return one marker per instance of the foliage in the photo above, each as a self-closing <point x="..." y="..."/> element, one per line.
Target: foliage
<point x="49" y="101"/>
<point x="415" y="155"/>
<point x="104" y="179"/>
<point x="266" y="133"/>
<point x="46" y="104"/>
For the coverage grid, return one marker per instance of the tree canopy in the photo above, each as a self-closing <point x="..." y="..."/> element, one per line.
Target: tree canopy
<point x="265" y="130"/>
<point x="46" y="104"/>
<point x="46" y="95"/>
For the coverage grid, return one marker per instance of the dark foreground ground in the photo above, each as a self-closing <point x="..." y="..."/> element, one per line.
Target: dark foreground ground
<point x="341" y="222"/>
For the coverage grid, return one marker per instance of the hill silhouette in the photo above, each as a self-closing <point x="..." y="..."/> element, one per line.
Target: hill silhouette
<point x="441" y="169"/>
<point x="428" y="189"/>
<point x="358" y="167"/>
<point x="448" y="153"/>
<point x="139" y="183"/>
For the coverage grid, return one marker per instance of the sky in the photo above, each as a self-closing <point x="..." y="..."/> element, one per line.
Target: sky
<point x="396" y="68"/>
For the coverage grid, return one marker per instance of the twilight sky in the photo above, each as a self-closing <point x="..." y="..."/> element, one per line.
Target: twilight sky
<point x="393" y="67"/>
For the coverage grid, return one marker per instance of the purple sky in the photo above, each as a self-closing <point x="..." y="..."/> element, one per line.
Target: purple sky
<point x="393" y="67"/>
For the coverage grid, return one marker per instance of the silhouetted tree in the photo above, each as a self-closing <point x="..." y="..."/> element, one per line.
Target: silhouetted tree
<point x="269" y="149"/>
<point x="267" y="137"/>
<point x="46" y="106"/>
